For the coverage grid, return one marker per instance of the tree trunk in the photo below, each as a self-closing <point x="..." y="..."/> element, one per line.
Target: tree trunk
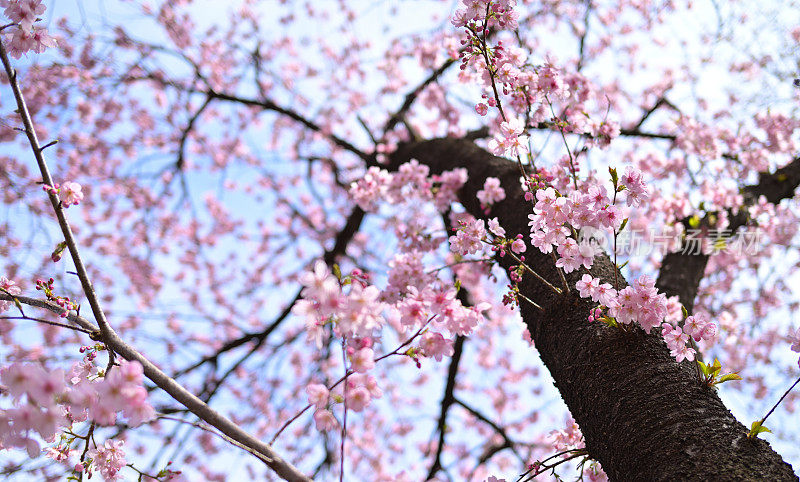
<point x="643" y="415"/>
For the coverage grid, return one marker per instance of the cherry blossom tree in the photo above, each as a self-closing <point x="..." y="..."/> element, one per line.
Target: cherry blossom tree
<point x="399" y="240"/>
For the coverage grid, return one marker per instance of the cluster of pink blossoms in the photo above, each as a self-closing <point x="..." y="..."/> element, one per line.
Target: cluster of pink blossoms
<point x="695" y="326"/>
<point x="641" y="303"/>
<point x="108" y="458"/>
<point x="567" y="439"/>
<point x="442" y="309"/>
<point x="492" y="192"/>
<point x="473" y="13"/>
<point x="360" y="390"/>
<point x="412" y="181"/>
<point x="517" y="244"/>
<point x="469" y="237"/>
<point x="357" y="317"/>
<point x="510" y="140"/>
<point x="552" y="212"/>
<point x="406" y="270"/>
<point x="44" y="401"/>
<point x="356" y="313"/>
<point x="26" y="36"/>
<point x="697" y="138"/>
<point x="436" y="346"/>
<point x="371" y="188"/>
<point x="780" y="130"/>
<point x="590" y="287"/>
<point x="635" y="187"/>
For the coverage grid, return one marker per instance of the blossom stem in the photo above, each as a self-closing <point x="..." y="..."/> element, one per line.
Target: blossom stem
<point x="534" y="273"/>
<point x="47" y="322"/>
<point x="535" y="305"/>
<point x="560" y="272"/>
<point x="566" y="144"/>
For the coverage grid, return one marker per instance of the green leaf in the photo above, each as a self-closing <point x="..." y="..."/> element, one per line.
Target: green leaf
<point x="728" y="377"/>
<point x="622" y="226"/>
<point x="703" y="368"/>
<point x="756" y="428"/>
<point x="685" y="313"/>
<point x="715" y="367"/>
<point x="337" y="271"/>
<point x="694" y="221"/>
<point x="610" y="321"/>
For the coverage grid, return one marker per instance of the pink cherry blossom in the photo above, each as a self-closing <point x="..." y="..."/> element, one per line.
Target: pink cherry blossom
<point x="358" y="399"/>
<point x="317" y="395"/>
<point x="510" y="140"/>
<point x="363" y="360"/>
<point x="324" y="420"/>
<point x="518" y="245"/>
<point x="495" y="228"/>
<point x="436" y="346"/>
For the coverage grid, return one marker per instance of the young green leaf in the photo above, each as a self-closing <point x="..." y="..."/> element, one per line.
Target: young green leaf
<point x="756" y="428"/>
<point x="614" y="177"/>
<point x="728" y="377"/>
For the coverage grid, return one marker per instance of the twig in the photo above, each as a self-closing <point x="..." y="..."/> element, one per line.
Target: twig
<point x="47" y="322"/>
<point x="779" y="401"/>
<point x="537" y="275"/>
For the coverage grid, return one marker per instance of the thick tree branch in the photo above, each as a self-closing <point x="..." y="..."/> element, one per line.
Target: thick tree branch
<point x="643" y="415"/>
<point x="267" y="104"/>
<point x="448" y="399"/>
<point x="412" y="96"/>
<point x="682" y="271"/>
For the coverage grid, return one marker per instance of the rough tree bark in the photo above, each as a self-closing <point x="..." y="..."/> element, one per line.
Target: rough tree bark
<point x="643" y="416"/>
